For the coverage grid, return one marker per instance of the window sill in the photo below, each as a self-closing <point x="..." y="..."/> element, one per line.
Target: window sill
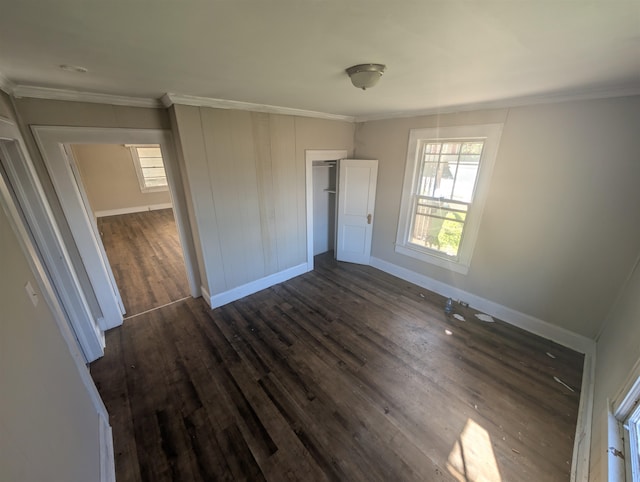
<point x="455" y="266"/>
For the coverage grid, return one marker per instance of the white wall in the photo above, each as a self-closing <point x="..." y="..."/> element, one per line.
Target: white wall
<point x="110" y="180"/>
<point x="618" y="352"/>
<point x="559" y="230"/>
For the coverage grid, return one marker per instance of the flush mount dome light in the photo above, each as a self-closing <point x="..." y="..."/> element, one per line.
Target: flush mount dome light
<point x="365" y="76"/>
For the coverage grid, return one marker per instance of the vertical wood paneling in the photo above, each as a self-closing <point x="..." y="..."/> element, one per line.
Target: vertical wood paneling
<point x="216" y="127"/>
<point x="247" y="185"/>
<point x="247" y="174"/>
<point x="283" y="158"/>
<point x="190" y="132"/>
<point x="264" y="172"/>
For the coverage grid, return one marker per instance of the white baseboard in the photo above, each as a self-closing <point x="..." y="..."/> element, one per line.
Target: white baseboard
<point x="133" y="209"/>
<point x="257" y="285"/>
<point x="205" y="295"/>
<point x="529" y="323"/>
<point x="582" y="344"/>
<point x="107" y="459"/>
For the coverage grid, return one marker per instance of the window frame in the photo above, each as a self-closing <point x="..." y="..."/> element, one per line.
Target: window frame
<point x="142" y="181"/>
<point x="627" y="416"/>
<point x="490" y="134"/>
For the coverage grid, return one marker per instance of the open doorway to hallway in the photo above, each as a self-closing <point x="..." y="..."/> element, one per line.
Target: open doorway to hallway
<point x="127" y="192"/>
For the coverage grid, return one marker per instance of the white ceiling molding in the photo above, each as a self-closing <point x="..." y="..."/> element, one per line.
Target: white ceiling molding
<point x="6" y="85"/>
<point x="169" y="99"/>
<point x="78" y="96"/>
<point x="508" y="103"/>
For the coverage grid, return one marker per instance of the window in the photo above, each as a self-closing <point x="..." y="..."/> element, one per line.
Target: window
<point x="446" y="180"/>
<point x="623" y="444"/>
<point x="149" y="166"/>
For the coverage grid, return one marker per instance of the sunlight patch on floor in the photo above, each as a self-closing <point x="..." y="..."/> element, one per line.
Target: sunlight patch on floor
<point x="472" y="458"/>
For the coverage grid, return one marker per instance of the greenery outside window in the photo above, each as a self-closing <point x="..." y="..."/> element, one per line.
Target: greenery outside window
<point x="149" y="165"/>
<point x="446" y="180"/>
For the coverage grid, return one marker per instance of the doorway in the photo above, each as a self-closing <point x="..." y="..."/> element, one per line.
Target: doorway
<point x="320" y="181"/>
<point x="55" y="143"/>
<point x="127" y="194"/>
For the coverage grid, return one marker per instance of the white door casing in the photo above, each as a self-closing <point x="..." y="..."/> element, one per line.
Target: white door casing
<point x="312" y="155"/>
<point x="94" y="226"/>
<point x="51" y="141"/>
<point x="31" y="202"/>
<point x="357" y="180"/>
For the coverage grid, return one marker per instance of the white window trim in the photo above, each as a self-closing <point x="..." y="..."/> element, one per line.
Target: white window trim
<point x="491" y="134"/>
<point x="136" y="163"/>
<point x="626" y="426"/>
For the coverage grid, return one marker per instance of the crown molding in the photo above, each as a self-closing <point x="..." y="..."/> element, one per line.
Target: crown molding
<point x="6" y="85"/>
<point x="591" y="94"/>
<point x="169" y="99"/>
<point x="78" y="96"/>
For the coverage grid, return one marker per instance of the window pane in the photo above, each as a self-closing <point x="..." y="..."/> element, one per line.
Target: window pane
<point x="472" y="148"/>
<point x="465" y="182"/>
<point x="155" y="181"/>
<point x="149" y="151"/>
<point x="438" y="226"/>
<point x="151" y="162"/>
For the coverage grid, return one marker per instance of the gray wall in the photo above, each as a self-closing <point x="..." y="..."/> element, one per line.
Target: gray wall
<point x="48" y="422"/>
<point x="110" y="180"/>
<point x="559" y="232"/>
<point x="246" y="175"/>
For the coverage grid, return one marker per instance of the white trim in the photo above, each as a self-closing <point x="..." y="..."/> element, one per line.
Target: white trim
<point x="490" y="134"/>
<point x="38" y="216"/>
<point x="529" y="323"/>
<point x="311" y="155"/>
<point x="107" y="457"/>
<point x="169" y="99"/>
<point x="8" y="130"/>
<point x="132" y="209"/>
<point x="257" y="285"/>
<point x="51" y="139"/>
<point x="582" y="440"/>
<point x="6" y="85"/>
<point x="623" y="91"/>
<point x="205" y="295"/>
<point x="582" y="344"/>
<point x="79" y="96"/>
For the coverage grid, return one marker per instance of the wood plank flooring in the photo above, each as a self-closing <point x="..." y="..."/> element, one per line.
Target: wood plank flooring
<point x="146" y="258"/>
<point x="344" y="373"/>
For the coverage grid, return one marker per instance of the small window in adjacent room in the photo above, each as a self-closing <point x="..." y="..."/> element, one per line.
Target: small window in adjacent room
<point x="446" y="180"/>
<point x="147" y="159"/>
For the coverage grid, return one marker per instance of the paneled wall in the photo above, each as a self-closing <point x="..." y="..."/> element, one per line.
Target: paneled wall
<point x="246" y="173"/>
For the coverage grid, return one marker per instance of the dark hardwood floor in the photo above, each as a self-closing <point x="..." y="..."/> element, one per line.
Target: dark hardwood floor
<point x="146" y="258"/>
<point x="344" y="373"/>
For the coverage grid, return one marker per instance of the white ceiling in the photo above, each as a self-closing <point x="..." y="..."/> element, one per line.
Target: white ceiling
<point x="439" y="54"/>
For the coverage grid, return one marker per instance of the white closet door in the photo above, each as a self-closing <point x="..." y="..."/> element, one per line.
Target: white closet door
<point x="356" y="202"/>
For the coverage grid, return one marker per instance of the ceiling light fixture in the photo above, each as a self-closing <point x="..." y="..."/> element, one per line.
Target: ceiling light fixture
<point x="365" y="76"/>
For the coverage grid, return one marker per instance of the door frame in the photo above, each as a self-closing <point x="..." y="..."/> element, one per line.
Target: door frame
<point x="51" y="141"/>
<point x="23" y="198"/>
<point x="310" y="156"/>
